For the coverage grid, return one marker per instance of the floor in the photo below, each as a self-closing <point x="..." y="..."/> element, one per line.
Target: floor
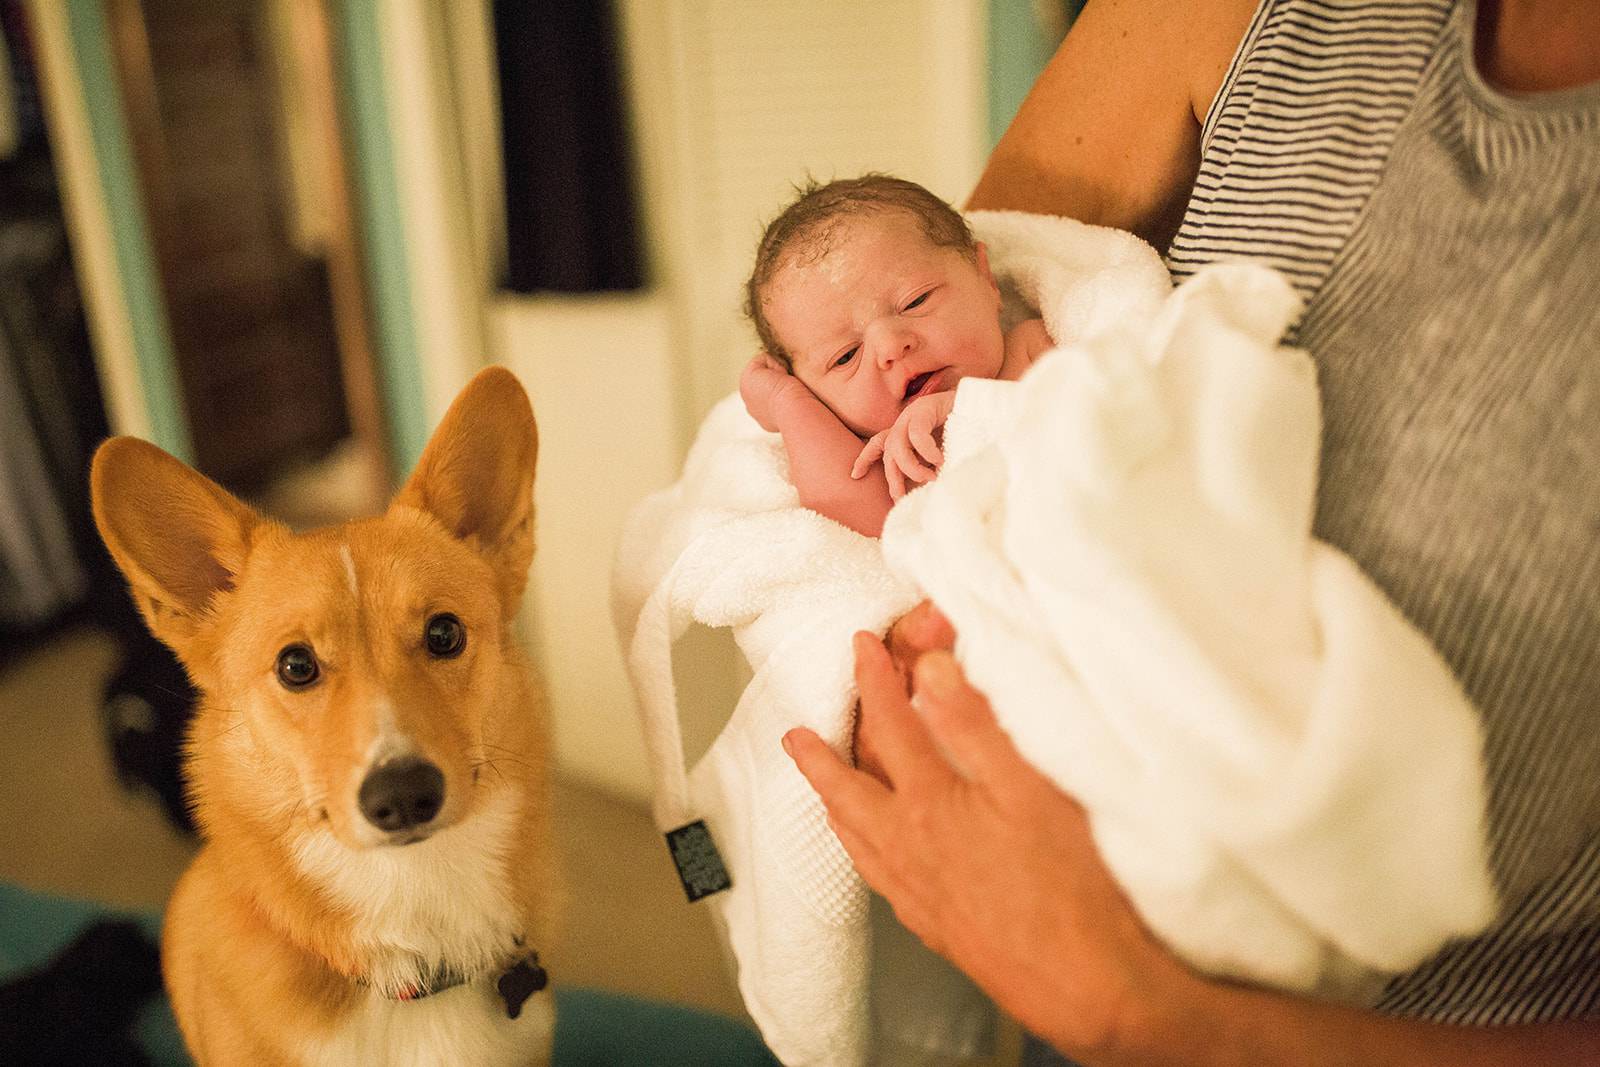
<point x="67" y="826"/>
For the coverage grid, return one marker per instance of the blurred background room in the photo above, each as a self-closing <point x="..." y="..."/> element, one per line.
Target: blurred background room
<point x="275" y="237"/>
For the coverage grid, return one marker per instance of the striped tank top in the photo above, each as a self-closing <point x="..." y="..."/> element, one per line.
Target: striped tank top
<point x="1446" y="238"/>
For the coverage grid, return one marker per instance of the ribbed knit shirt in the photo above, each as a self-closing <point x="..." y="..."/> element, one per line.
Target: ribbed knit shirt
<point x="1446" y="237"/>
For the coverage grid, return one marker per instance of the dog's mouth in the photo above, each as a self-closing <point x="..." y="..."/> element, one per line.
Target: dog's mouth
<point x="916" y="385"/>
<point x="403" y="838"/>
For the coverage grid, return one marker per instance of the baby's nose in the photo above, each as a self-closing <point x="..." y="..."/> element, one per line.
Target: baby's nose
<point x="895" y="343"/>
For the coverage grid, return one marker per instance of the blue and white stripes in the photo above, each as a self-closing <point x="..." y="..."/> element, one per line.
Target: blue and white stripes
<point x="1298" y="134"/>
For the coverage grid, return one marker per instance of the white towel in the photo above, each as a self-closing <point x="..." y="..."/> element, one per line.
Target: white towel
<point x="1280" y="771"/>
<point x="729" y="545"/>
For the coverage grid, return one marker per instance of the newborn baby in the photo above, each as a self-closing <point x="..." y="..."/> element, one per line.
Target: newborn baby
<point x="872" y="301"/>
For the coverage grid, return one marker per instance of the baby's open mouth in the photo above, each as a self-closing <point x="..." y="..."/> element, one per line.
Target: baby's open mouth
<point x="915" y="385"/>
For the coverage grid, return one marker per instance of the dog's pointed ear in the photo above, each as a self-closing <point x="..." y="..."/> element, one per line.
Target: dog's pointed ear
<point x="476" y="476"/>
<point x="178" y="536"/>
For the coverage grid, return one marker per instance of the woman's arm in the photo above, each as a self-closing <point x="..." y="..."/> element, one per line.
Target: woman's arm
<point x="995" y="868"/>
<point x="1110" y="133"/>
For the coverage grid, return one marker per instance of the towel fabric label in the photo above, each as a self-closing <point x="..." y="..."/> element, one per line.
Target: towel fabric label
<point x="699" y="864"/>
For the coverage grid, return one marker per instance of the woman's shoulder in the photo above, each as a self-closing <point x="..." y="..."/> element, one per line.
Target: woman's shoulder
<point x="1178" y="47"/>
<point x="1210" y="35"/>
<point x="1109" y="133"/>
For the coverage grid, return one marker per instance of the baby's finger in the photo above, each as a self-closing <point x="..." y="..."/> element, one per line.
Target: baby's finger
<point x="870" y="454"/>
<point x="905" y="457"/>
<point x="897" y="481"/>
<point x="922" y="440"/>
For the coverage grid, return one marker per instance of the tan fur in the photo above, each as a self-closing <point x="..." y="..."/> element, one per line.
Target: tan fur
<point x="294" y="900"/>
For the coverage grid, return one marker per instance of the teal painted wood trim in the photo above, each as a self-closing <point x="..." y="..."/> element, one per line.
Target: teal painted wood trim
<point x="1018" y="51"/>
<point x="135" y="255"/>
<point x="365" y="113"/>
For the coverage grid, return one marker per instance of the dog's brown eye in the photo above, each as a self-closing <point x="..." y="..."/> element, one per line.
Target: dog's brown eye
<point x="297" y="667"/>
<point x="445" y="636"/>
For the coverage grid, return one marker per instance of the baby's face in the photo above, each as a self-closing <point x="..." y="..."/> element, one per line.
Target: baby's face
<point x="884" y="317"/>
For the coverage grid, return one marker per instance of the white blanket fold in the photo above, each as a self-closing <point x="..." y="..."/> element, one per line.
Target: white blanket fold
<point x="1280" y="771"/>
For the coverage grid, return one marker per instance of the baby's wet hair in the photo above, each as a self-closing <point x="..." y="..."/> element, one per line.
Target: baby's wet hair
<point x="806" y="229"/>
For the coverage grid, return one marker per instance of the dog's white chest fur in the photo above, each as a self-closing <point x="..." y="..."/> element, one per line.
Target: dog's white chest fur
<point x="465" y="1025"/>
<point x="441" y="903"/>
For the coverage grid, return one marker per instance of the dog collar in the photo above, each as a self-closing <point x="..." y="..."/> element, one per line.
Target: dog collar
<point x="515" y="984"/>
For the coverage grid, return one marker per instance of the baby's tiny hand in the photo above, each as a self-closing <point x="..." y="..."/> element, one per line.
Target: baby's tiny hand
<point x="908" y="448"/>
<point x="761" y="383"/>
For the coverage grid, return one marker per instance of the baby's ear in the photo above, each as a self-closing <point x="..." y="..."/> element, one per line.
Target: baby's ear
<point x="989" y="275"/>
<point x="983" y="267"/>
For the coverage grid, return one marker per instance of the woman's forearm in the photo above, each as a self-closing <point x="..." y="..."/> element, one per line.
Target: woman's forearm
<point x="1209" y="1023"/>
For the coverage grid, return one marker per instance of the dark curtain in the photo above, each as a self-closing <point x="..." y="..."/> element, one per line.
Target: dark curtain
<point x="41" y="573"/>
<point x="53" y="568"/>
<point x="50" y="409"/>
<point x="571" y="220"/>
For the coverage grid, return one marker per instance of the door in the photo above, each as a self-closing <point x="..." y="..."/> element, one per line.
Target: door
<point x="246" y="215"/>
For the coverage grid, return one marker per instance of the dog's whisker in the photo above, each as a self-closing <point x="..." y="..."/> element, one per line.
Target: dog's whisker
<point x="504" y="753"/>
<point x="512" y="760"/>
<point x="489" y="763"/>
<point x="294" y="812"/>
<point x="218" y="709"/>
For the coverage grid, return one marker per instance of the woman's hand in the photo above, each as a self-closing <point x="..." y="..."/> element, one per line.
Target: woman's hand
<point x="992" y="865"/>
<point x="922" y="629"/>
<point x="995" y="869"/>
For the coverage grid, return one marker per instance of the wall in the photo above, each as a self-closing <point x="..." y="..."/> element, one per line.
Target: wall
<point x="1023" y="34"/>
<point x="598" y="372"/>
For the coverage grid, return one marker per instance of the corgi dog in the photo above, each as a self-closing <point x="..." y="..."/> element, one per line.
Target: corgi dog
<point x="368" y="761"/>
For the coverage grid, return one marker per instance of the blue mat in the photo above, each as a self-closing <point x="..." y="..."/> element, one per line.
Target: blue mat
<point x="593" y="1028"/>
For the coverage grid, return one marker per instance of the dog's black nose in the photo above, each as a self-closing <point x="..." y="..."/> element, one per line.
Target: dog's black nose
<point x="403" y="794"/>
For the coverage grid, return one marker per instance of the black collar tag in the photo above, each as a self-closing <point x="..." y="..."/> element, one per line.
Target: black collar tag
<point x="515" y="985"/>
<point x="523" y="980"/>
<point x="700" y="866"/>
